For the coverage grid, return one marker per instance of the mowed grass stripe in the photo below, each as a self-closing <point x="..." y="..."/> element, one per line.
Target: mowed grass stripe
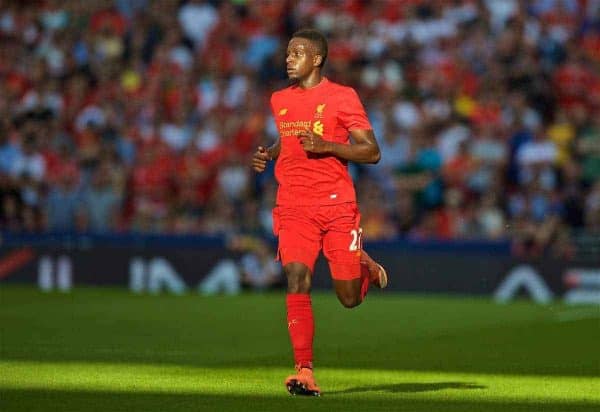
<point x="119" y="377"/>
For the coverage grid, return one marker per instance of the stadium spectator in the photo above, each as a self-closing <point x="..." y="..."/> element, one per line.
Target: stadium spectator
<point x="101" y="201"/>
<point x="64" y="207"/>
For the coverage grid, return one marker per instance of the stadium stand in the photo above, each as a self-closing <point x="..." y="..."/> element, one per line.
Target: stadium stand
<point x="138" y="115"/>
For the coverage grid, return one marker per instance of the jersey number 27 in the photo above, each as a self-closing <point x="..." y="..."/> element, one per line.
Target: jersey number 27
<point x="356" y="243"/>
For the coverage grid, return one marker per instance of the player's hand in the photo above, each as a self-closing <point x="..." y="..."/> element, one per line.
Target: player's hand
<point x="312" y="143"/>
<point x="260" y="159"/>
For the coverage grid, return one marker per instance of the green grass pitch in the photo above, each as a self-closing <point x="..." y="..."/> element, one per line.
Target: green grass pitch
<point x="109" y="350"/>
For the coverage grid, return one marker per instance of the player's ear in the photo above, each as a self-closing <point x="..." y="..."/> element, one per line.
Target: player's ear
<point x="318" y="59"/>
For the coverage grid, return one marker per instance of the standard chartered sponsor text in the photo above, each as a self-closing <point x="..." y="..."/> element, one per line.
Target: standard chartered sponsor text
<point x="293" y="128"/>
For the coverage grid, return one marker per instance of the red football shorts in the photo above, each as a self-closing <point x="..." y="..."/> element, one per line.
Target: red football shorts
<point x="304" y="230"/>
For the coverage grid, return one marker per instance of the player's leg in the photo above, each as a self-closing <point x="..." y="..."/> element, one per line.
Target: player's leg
<point x="348" y="280"/>
<point x="301" y="325"/>
<point x="299" y="245"/>
<point x="299" y="278"/>
<point x="301" y="328"/>
<point x="349" y="291"/>
<point x="352" y="269"/>
<point x="341" y="247"/>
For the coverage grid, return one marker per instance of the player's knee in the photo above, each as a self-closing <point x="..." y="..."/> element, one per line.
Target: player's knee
<point x="298" y="278"/>
<point x="349" y="301"/>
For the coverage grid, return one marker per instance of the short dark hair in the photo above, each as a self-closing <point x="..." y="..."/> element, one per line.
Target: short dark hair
<point x="317" y="38"/>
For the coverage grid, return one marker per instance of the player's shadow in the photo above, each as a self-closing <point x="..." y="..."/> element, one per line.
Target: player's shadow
<point x="411" y="387"/>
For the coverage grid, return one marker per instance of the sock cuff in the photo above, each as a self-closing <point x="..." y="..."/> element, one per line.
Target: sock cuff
<point x="304" y="365"/>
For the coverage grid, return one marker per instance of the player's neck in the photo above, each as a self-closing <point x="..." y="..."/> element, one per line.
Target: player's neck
<point x="311" y="80"/>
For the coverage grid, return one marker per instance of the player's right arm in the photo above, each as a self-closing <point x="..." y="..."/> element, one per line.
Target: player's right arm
<point x="264" y="154"/>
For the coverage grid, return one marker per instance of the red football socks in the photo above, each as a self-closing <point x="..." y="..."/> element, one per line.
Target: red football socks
<point x="364" y="281"/>
<point x="301" y="327"/>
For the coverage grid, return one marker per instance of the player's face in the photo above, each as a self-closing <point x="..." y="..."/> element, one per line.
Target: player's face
<point x="301" y="58"/>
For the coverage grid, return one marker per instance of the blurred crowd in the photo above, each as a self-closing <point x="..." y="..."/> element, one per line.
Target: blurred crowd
<point x="141" y="115"/>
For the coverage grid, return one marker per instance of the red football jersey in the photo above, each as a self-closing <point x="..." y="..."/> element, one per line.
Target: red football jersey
<point x="331" y="111"/>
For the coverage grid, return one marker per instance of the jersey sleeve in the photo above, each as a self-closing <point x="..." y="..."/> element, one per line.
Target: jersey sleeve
<point x="352" y="114"/>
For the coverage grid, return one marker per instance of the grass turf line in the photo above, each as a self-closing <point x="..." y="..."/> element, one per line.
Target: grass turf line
<point x="102" y="349"/>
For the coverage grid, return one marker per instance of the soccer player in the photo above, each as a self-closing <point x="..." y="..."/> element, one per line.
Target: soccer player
<point x="316" y="202"/>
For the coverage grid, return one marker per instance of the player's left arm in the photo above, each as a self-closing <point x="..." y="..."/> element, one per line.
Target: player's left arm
<point x="352" y="116"/>
<point x="364" y="148"/>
